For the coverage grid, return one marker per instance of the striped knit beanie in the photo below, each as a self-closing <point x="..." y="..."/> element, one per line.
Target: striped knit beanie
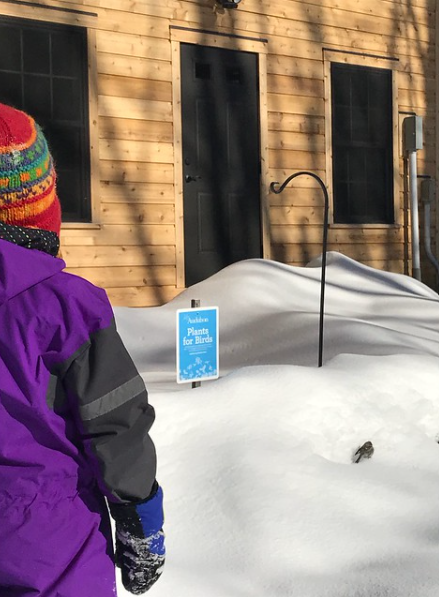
<point x="27" y="176"/>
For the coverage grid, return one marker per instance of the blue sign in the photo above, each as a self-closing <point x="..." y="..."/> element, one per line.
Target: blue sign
<point x="197" y="344"/>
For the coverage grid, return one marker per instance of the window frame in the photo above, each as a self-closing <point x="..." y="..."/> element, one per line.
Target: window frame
<point x="88" y="22"/>
<point x="358" y="60"/>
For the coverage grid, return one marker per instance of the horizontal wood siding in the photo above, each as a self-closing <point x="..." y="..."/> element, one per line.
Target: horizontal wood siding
<point x="133" y="248"/>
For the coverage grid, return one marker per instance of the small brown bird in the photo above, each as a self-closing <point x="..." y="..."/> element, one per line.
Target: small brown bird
<point x="364" y="451"/>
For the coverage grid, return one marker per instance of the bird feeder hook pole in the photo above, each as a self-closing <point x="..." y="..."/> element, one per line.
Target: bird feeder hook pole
<point x="276" y="188"/>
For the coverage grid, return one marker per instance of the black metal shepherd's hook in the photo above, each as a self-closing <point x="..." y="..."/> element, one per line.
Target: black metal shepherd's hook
<point x="325" y="242"/>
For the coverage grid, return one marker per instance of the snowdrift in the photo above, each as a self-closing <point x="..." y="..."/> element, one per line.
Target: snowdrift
<point x="261" y="495"/>
<point x="269" y="314"/>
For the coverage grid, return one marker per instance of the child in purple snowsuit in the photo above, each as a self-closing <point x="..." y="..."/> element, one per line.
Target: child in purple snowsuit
<point x="74" y="412"/>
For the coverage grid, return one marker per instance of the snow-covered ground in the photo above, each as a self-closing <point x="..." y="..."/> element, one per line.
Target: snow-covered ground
<point x="261" y="496"/>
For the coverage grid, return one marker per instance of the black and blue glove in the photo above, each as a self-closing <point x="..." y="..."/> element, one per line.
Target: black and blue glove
<point x="140" y="541"/>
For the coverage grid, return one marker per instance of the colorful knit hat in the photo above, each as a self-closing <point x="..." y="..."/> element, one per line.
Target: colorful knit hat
<point x="27" y="176"/>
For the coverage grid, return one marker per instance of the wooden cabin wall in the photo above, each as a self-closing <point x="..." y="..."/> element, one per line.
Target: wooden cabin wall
<point x="135" y="250"/>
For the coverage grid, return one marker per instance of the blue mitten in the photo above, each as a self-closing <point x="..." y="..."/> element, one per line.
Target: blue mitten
<point x="140" y="547"/>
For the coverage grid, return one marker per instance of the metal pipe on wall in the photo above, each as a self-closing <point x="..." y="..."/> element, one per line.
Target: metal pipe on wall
<point x="413" y="141"/>
<point x="414" y="215"/>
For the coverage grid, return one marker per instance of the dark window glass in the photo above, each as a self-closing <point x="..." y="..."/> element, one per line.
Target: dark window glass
<point x="36" y="51"/>
<point x="11" y="86"/>
<point x="62" y="109"/>
<point x="202" y="70"/>
<point x="37" y="96"/>
<point x="66" y="53"/>
<point x="10" y="48"/>
<point x="362" y="144"/>
<point x="43" y="70"/>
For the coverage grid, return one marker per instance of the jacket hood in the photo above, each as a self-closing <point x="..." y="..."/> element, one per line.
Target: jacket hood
<point x="21" y="268"/>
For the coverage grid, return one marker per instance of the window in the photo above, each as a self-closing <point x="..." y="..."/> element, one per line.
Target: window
<point x="43" y="70"/>
<point x="362" y="144"/>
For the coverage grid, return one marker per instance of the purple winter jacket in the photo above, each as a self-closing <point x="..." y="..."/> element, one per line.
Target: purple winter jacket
<point x="74" y="423"/>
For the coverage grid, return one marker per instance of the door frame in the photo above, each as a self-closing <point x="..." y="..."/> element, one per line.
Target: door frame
<point x="257" y="46"/>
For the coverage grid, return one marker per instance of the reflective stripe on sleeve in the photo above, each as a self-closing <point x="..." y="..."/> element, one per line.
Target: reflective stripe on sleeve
<point x="113" y="399"/>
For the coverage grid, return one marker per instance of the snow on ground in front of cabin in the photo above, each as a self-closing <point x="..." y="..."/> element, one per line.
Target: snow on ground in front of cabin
<point x="261" y="495"/>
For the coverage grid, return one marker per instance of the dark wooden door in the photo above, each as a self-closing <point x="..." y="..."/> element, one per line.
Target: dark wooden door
<point x="221" y="159"/>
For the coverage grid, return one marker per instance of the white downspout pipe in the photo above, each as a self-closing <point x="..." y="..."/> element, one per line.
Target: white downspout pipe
<point x="414" y="215"/>
<point x="412" y="137"/>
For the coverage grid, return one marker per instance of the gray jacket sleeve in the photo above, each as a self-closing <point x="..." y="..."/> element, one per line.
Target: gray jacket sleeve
<point x="114" y="416"/>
